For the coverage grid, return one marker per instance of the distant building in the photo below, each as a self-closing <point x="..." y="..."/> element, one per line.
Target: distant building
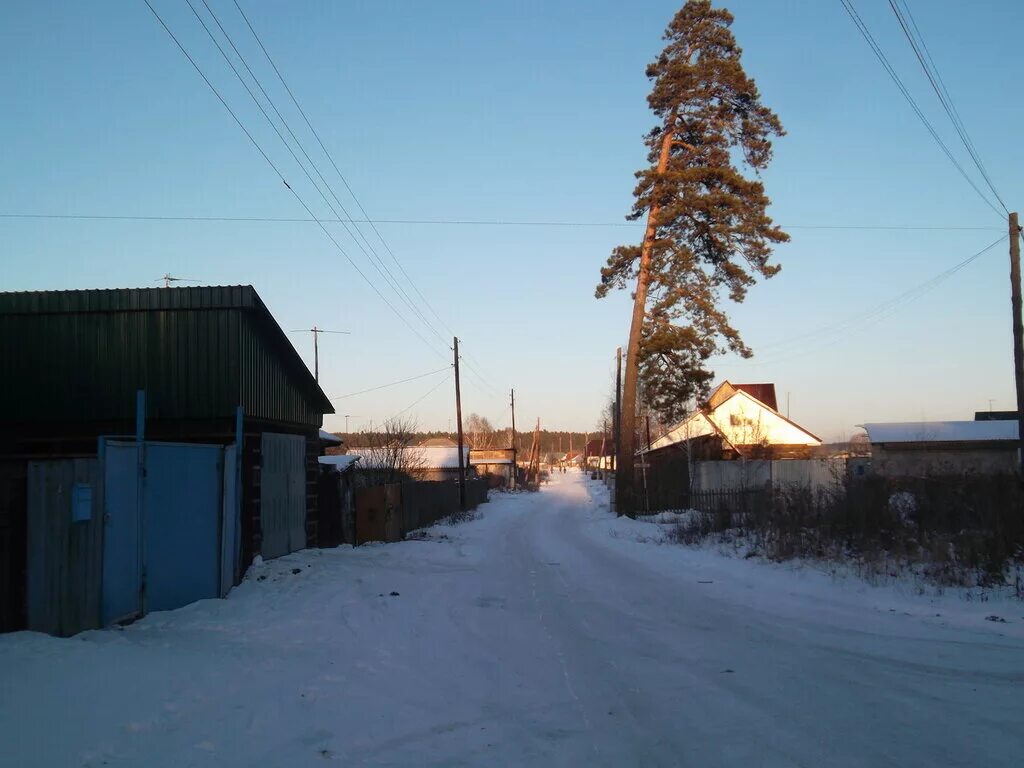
<point x="920" y="448"/>
<point x="414" y="462"/>
<point x="495" y="464"/>
<point x="740" y="421"/>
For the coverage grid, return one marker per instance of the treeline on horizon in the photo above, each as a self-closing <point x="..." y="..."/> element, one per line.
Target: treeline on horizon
<point x="550" y="441"/>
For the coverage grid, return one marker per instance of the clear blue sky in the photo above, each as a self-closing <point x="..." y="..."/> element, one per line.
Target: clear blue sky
<point x="522" y="111"/>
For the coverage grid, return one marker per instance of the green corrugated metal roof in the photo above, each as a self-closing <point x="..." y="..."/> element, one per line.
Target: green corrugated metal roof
<point x="202" y="349"/>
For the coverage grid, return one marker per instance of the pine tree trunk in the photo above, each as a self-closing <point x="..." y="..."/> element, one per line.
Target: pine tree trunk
<point x="625" y="499"/>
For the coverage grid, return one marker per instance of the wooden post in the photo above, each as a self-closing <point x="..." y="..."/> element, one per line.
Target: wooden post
<point x="617" y="418"/>
<point x="515" y="465"/>
<point x="1018" y="335"/>
<point x="458" y="419"/>
<point x="600" y="460"/>
<point x="316" y="354"/>
<point x="536" y="453"/>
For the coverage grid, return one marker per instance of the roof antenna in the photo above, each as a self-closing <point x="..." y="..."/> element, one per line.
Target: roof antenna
<point x="168" y="279"/>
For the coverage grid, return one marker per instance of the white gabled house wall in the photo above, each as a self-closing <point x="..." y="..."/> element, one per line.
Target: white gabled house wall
<point x="741" y="419"/>
<point x="745" y="420"/>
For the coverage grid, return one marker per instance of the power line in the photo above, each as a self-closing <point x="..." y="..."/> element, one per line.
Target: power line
<point x="391" y="384"/>
<point x="876" y="314"/>
<point x="337" y="170"/>
<point x="280" y="175"/>
<point x="457" y="222"/>
<point x="866" y="34"/>
<point x="374" y="259"/>
<point x="420" y="399"/>
<point x="931" y="71"/>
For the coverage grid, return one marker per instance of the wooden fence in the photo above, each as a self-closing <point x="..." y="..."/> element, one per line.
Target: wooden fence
<point x="389" y="512"/>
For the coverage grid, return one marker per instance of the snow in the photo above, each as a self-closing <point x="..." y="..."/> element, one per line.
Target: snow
<point x="419" y="456"/>
<point x="341" y="461"/>
<point x="330" y="437"/>
<point x="544" y="632"/>
<point x="940" y="431"/>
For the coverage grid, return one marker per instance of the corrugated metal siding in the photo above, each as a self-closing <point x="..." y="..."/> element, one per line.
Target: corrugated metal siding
<point x="198" y="353"/>
<point x="269" y="392"/>
<point x="64" y="557"/>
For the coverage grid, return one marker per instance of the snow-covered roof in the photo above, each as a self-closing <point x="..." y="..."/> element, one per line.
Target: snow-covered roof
<point x="941" y="431"/>
<point x="341" y="461"/>
<point x="329" y="437"/>
<point x="474" y="460"/>
<point x="418" y="456"/>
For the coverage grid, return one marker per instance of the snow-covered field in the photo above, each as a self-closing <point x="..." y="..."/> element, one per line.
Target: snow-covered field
<point x="547" y="632"/>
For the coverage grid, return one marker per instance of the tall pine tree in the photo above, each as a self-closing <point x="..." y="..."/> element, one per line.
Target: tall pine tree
<point x="707" y="224"/>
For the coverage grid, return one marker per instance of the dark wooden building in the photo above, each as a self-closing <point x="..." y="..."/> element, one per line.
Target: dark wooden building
<point x="168" y="366"/>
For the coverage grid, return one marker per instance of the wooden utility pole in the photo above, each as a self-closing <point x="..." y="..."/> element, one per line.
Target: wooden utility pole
<point x="604" y="436"/>
<point x="515" y="465"/>
<point x="536" y="453"/>
<point x="624" y="496"/>
<point x="458" y="420"/>
<point x="1018" y="334"/>
<point x="617" y="418"/>
<point x="316" y="346"/>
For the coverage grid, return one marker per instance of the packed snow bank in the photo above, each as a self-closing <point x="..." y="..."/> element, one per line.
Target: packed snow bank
<point x="544" y="632"/>
<point x="795" y="586"/>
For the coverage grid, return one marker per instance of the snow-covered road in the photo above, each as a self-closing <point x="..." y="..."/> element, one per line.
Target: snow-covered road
<point x="542" y="633"/>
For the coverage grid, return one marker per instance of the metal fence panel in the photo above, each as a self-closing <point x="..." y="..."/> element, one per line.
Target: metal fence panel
<point x="64" y="546"/>
<point x="283" y="494"/>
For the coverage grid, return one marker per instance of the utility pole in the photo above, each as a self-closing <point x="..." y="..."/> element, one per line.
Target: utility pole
<point x="536" y="453"/>
<point x="458" y="420"/>
<point x="617" y="420"/>
<point x="1018" y="335"/>
<point x="316" y="346"/>
<point x="601" y="461"/>
<point x="515" y="465"/>
<point x="647" y="495"/>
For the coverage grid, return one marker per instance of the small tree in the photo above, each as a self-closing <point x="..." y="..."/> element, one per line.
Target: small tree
<point x="389" y="455"/>
<point x="707" y="225"/>
<point x="479" y="432"/>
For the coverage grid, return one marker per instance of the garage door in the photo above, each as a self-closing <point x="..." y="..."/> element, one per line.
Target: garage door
<point x="283" y="494"/>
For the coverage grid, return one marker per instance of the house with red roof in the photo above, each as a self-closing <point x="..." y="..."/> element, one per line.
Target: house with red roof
<point x="740" y="421"/>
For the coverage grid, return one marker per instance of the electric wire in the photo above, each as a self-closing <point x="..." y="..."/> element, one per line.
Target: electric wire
<point x="390" y="384"/>
<point x="880" y="55"/>
<point x="420" y="399"/>
<point x="876" y="314"/>
<point x="374" y="260"/>
<point x="372" y="253"/>
<point x="498" y="223"/>
<point x="932" y="73"/>
<point x="280" y="175"/>
<point x="330" y="158"/>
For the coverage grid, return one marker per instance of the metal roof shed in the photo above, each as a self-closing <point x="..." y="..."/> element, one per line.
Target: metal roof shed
<point x="73" y="362"/>
<point x="198" y="352"/>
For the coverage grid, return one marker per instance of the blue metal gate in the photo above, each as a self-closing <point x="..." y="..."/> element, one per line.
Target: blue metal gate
<point x="122" y="545"/>
<point x="163" y="524"/>
<point x="181" y="503"/>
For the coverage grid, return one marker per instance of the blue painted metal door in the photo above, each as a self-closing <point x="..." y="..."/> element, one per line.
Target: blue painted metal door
<point x="182" y="524"/>
<point x="122" y="571"/>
